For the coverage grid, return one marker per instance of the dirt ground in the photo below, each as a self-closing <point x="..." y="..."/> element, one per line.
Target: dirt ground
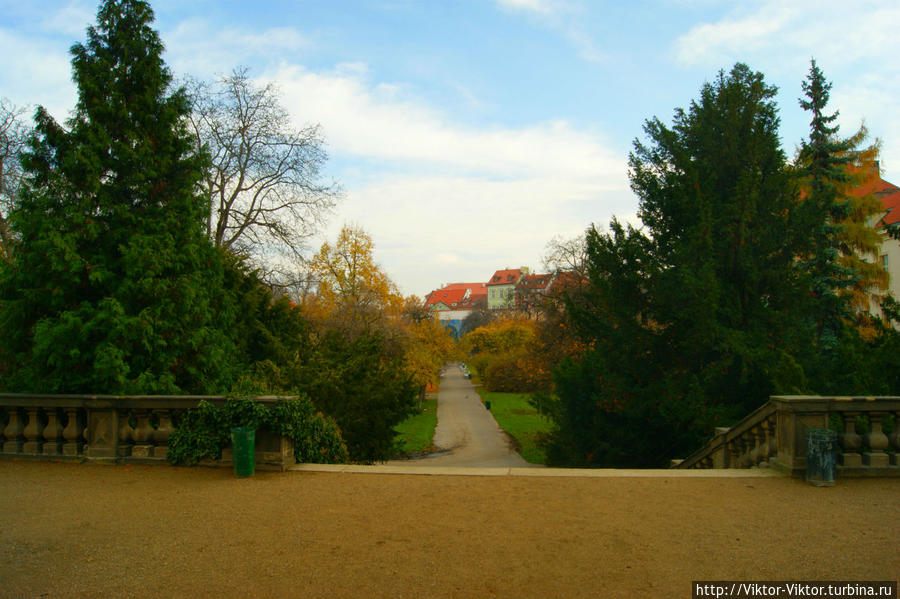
<point x="78" y="530"/>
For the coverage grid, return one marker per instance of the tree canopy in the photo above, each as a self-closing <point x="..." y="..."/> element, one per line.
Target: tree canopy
<point x="114" y="289"/>
<point x="690" y="318"/>
<point x="739" y="284"/>
<point x="13" y="135"/>
<point x="264" y="179"/>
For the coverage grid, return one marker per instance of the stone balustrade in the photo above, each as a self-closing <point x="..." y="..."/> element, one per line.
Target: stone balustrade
<point x="113" y="428"/>
<point x="775" y="436"/>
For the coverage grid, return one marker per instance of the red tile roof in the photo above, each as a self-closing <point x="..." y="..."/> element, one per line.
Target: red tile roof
<point x="535" y="281"/>
<point x="888" y="193"/>
<point x="891" y="203"/>
<point x="505" y="277"/>
<point x="458" y="296"/>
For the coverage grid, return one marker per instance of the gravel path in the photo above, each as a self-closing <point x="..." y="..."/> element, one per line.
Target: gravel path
<point x="79" y="530"/>
<point x="466" y="430"/>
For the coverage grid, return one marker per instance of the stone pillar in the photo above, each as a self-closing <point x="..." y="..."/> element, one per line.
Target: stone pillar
<point x="53" y="439"/>
<point x="34" y="439"/>
<point x="877" y="442"/>
<point x="850" y="442"/>
<point x="895" y="440"/>
<point x="162" y="434"/>
<point x="124" y="435"/>
<point x="771" y="438"/>
<point x="143" y="435"/>
<point x="13" y="431"/>
<point x="761" y="449"/>
<point x="73" y="433"/>
<point x="102" y="433"/>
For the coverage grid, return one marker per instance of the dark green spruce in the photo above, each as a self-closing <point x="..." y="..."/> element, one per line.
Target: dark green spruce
<point x="115" y="288"/>
<point x="822" y="165"/>
<point x="690" y="319"/>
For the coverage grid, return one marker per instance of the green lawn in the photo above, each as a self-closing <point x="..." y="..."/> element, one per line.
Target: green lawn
<point x="514" y="415"/>
<point x="416" y="432"/>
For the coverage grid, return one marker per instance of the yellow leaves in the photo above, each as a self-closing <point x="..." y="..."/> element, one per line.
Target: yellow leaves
<point x="354" y="294"/>
<point x="350" y="286"/>
<point x="427" y="347"/>
<point x="501" y="336"/>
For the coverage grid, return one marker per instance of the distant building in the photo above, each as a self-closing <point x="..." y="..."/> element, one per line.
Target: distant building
<point x="889" y="194"/>
<point x="453" y="303"/>
<point x="530" y="292"/>
<point x="501" y="289"/>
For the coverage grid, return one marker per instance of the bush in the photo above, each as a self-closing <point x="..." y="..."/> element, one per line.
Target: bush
<point x="513" y="372"/>
<point x="361" y="385"/>
<point x="206" y="431"/>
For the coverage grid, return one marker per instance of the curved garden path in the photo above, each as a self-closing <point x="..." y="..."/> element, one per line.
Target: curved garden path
<point x="467" y="434"/>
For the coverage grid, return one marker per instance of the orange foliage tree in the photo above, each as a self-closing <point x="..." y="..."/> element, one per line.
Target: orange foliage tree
<point x="506" y="354"/>
<point x="351" y="290"/>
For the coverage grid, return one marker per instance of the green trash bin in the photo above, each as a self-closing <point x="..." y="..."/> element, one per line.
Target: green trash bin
<point x="487" y="405"/>
<point x="243" y="448"/>
<point x="821" y="446"/>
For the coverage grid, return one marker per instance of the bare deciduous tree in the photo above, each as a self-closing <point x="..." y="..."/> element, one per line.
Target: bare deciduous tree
<point x="13" y="135"/>
<point x="264" y="183"/>
<point x="567" y="255"/>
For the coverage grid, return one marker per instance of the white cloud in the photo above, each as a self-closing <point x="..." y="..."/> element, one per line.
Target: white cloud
<point x="195" y="47"/>
<point x="45" y="66"/>
<point x="828" y="29"/>
<point x="431" y="230"/>
<point x="384" y="122"/>
<point x="72" y="19"/>
<point x="561" y="17"/>
<point x="459" y="201"/>
<point x="854" y="45"/>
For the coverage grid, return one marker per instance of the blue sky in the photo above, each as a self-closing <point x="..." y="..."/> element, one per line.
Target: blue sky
<point x="467" y="134"/>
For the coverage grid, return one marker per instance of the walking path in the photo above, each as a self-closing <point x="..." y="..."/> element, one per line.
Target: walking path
<point x="466" y="431"/>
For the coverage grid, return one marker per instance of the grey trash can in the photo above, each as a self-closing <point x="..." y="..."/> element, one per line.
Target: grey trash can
<point x="821" y="445"/>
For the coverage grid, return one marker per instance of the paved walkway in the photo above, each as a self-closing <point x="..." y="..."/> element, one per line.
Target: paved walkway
<point x="466" y="431"/>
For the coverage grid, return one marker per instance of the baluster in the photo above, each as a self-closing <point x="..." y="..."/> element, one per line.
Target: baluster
<point x="143" y="435"/>
<point x="745" y="451"/>
<point x="53" y="440"/>
<point x="73" y="433"/>
<point x="737" y="453"/>
<point x="895" y="440"/>
<point x="125" y="435"/>
<point x="34" y="439"/>
<point x="877" y="442"/>
<point x="162" y="433"/>
<point x="771" y="438"/>
<point x="727" y="455"/>
<point x="850" y="442"/>
<point x="13" y="431"/>
<point x="761" y="451"/>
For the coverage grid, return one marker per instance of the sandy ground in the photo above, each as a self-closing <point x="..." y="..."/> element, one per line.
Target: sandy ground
<point x="466" y="430"/>
<point x="79" y="530"/>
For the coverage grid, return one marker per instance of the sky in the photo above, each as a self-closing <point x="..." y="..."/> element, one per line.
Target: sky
<point x="468" y="134"/>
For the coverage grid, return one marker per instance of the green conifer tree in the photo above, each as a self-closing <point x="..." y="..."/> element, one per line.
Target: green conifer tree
<point x="823" y="163"/>
<point x="691" y="317"/>
<point x="115" y="288"/>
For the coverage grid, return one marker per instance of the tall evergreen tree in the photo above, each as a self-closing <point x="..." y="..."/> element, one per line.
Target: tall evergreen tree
<point x="115" y="287"/>
<point x="823" y="163"/>
<point x="692" y="317"/>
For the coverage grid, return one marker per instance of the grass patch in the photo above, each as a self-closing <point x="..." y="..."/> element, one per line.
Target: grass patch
<point x="414" y="435"/>
<point x="516" y="416"/>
